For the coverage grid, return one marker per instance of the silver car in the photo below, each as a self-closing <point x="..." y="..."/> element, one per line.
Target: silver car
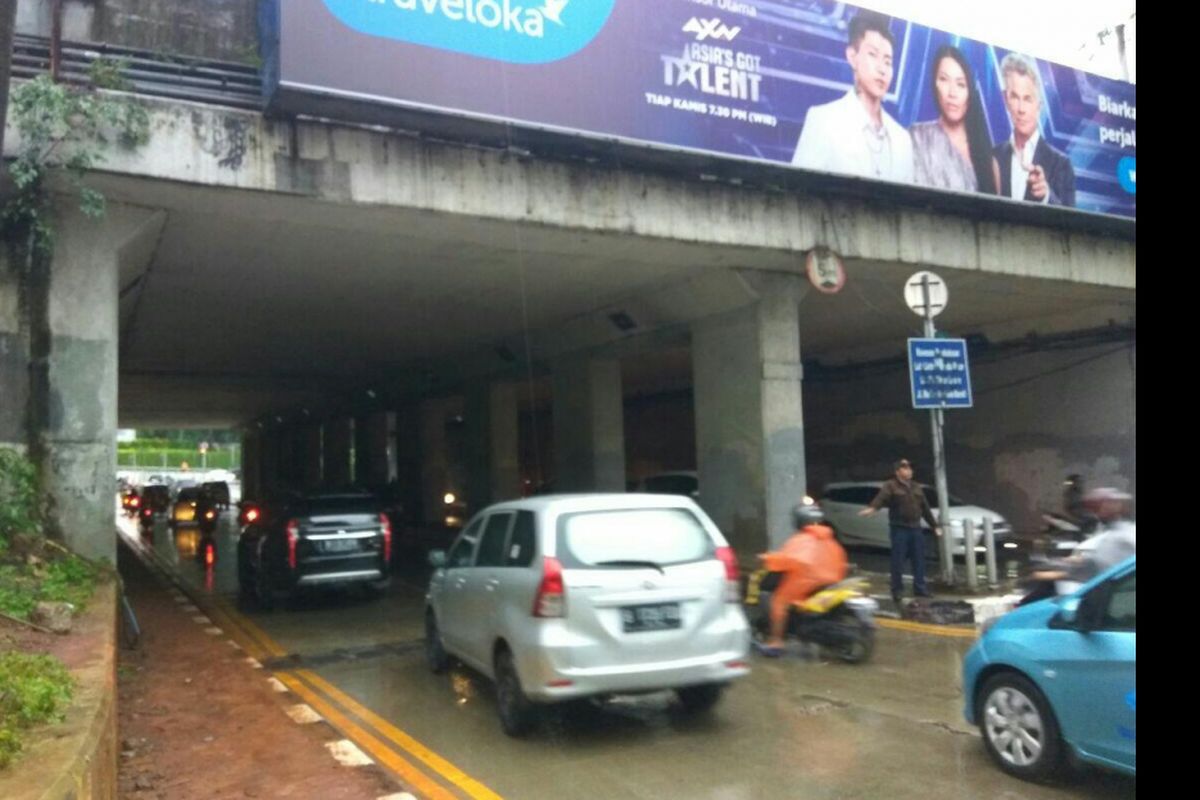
<point x="566" y="597"/>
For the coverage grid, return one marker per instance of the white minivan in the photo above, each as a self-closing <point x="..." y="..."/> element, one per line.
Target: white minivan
<point x="563" y="597"/>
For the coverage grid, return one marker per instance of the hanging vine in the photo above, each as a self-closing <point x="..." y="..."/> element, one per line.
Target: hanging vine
<point x="64" y="128"/>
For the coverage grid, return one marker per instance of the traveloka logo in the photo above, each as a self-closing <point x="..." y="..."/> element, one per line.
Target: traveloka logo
<point x="517" y="31"/>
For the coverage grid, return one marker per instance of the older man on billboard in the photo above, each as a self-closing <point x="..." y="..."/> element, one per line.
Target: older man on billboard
<point x="1030" y="169"/>
<point x="853" y="134"/>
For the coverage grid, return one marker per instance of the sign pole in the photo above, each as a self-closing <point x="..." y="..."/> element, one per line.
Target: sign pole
<point x="936" y="422"/>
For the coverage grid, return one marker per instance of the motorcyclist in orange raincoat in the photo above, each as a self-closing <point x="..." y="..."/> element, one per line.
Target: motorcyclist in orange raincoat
<point x="810" y="560"/>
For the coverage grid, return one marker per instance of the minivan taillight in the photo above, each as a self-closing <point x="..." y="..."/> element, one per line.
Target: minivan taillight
<point x="551" y="600"/>
<point x="733" y="588"/>
<point x="385" y="527"/>
<point x="293" y="538"/>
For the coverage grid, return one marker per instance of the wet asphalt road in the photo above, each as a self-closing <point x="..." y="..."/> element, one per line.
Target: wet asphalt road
<point x="796" y="728"/>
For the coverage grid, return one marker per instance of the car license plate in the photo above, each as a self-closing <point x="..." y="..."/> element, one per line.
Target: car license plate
<point x="339" y="545"/>
<point x="658" y="617"/>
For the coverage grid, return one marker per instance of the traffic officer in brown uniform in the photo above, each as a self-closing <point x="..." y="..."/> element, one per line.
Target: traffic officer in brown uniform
<point x="907" y="506"/>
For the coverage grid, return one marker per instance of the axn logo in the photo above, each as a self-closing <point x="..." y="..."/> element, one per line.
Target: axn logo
<point x="710" y="29"/>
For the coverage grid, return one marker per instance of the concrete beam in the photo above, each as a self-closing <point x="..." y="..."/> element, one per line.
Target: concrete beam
<point x="589" y="428"/>
<point x="219" y="147"/>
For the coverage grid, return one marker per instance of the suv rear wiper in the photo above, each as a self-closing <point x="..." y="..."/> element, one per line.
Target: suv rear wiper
<point x="649" y="564"/>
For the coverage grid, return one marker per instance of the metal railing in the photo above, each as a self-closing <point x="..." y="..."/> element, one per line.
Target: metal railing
<point x="198" y="80"/>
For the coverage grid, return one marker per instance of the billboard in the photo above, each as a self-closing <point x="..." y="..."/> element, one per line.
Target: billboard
<point x="802" y="84"/>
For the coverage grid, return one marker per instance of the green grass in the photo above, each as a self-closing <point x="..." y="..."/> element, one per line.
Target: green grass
<point x="68" y="579"/>
<point x="33" y="689"/>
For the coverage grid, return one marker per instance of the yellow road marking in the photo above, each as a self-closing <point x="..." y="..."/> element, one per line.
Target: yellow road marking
<point x="918" y="627"/>
<point x="472" y="787"/>
<point x="381" y="751"/>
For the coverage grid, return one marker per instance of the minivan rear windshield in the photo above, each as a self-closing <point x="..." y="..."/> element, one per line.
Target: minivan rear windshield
<point x="662" y="536"/>
<point x="321" y="505"/>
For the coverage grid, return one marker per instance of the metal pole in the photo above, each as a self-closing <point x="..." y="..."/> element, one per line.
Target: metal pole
<point x="969" y="553"/>
<point x="989" y="543"/>
<point x="939" y="459"/>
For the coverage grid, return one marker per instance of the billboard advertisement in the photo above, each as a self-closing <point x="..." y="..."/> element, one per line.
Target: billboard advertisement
<point x="802" y="84"/>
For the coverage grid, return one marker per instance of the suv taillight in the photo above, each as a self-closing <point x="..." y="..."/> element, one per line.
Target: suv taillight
<point x="733" y="589"/>
<point x="293" y="538"/>
<point x="385" y="527"/>
<point x="551" y="600"/>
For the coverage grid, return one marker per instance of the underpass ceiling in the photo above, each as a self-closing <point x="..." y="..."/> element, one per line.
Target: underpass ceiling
<point x="253" y="302"/>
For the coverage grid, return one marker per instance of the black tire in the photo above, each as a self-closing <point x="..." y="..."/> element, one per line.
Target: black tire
<point x="517" y="714"/>
<point x="264" y="594"/>
<point x="1018" y="727"/>
<point x="435" y="652"/>
<point x="699" y="699"/>
<point x="862" y="644"/>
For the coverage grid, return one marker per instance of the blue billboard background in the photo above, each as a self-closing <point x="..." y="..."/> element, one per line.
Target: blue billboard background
<point x="728" y="77"/>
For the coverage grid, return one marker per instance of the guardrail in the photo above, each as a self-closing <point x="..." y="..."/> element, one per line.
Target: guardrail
<point x="198" y="80"/>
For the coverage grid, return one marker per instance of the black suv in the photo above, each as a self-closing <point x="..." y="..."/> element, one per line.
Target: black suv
<point x="324" y="538"/>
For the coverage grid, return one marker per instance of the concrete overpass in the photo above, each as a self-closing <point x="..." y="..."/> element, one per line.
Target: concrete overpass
<point x="289" y="276"/>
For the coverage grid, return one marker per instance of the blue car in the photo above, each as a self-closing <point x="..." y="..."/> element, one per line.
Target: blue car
<point x="1058" y="678"/>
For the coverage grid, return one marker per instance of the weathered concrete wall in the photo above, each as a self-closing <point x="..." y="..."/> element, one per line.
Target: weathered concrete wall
<point x="1069" y="411"/>
<point x="206" y="145"/>
<point x="220" y="29"/>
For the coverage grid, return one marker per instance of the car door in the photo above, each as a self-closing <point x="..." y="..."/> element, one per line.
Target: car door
<point x="840" y="513"/>
<point x="452" y="608"/>
<point x="483" y="582"/>
<point x="1098" y="676"/>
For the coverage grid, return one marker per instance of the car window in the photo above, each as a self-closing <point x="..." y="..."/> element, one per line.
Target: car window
<point x="521" y="543"/>
<point x="862" y="495"/>
<point x="491" y="546"/>
<point x="664" y="536"/>
<point x="461" y="553"/>
<point x="1121" y="614"/>
<point x="838" y="495"/>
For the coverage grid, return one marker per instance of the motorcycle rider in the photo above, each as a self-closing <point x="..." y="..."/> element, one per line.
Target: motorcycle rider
<point x="810" y="560"/>
<point x="1115" y="541"/>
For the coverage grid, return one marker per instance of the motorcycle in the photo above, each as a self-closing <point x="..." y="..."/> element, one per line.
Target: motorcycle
<point x="146" y="519"/>
<point x="130" y="502"/>
<point x="840" y="617"/>
<point x="1064" y="533"/>
<point x="1043" y="588"/>
<point x="206" y="520"/>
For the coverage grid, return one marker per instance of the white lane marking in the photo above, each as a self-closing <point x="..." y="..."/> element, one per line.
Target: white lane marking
<point x="347" y="754"/>
<point x="191" y="609"/>
<point x="233" y="644"/>
<point x="213" y="631"/>
<point x="397" y="796"/>
<point x="200" y="619"/>
<point x="277" y="684"/>
<point x="303" y="714"/>
<point x="253" y="662"/>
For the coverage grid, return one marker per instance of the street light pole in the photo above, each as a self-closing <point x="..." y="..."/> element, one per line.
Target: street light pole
<point x="937" y="425"/>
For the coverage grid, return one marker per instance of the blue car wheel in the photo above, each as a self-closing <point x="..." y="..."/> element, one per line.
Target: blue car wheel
<point x="1018" y="727"/>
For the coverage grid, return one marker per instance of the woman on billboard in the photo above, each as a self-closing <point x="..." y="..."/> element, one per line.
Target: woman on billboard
<point x="954" y="151"/>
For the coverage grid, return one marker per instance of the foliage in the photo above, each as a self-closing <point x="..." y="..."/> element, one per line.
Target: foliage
<point x="34" y="688"/>
<point x="66" y="128"/>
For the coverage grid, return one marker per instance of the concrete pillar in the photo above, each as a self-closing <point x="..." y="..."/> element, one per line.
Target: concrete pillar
<point x="339" y="436"/>
<point x="749" y="423"/>
<point x="289" y="469"/>
<point x="66" y="338"/>
<point x="407" y="438"/>
<point x="372" y="449"/>
<point x="310" y="456"/>
<point x="252" y="464"/>
<point x="589" y="434"/>
<point x="434" y="462"/>
<point x="493" y="472"/>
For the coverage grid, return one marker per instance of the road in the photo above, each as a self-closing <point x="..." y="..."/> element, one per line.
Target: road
<point x="798" y="727"/>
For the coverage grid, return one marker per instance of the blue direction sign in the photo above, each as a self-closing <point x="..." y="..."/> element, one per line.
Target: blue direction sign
<point x="939" y="373"/>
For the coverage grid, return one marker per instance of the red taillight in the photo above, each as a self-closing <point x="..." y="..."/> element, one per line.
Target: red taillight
<point x="551" y="600"/>
<point x="210" y="554"/>
<point x="135" y="502"/>
<point x="209" y="514"/>
<point x="251" y="514"/>
<point x="293" y="538"/>
<point x="733" y="589"/>
<point x="385" y="527"/>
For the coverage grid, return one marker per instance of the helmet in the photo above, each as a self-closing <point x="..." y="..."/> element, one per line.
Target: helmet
<point x="1107" y="503"/>
<point x="807" y="514"/>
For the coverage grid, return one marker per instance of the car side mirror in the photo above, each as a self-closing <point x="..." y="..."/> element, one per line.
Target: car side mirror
<point x="437" y="559"/>
<point x="1068" y="614"/>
